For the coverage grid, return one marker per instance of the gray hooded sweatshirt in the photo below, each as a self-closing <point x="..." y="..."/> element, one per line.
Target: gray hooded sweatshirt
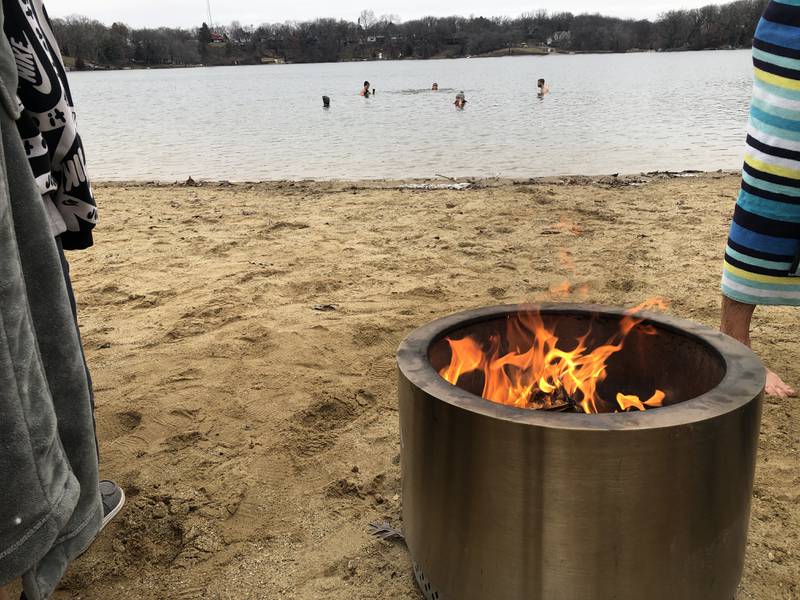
<point x="50" y="508"/>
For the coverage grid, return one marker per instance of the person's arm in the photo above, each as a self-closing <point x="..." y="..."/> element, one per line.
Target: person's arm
<point x="59" y="143"/>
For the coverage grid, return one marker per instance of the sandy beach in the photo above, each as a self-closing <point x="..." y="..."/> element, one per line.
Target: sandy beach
<point x="242" y="337"/>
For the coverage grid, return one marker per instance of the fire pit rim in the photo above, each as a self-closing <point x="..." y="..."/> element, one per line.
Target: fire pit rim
<point x="744" y="378"/>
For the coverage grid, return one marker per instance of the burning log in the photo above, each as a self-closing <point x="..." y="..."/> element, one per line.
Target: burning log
<point x="557" y="401"/>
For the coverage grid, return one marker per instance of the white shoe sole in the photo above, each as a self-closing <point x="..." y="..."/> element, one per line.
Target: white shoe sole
<point x="107" y="519"/>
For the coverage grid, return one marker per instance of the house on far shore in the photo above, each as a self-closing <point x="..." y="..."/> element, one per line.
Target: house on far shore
<point x="560" y="38"/>
<point x="269" y="60"/>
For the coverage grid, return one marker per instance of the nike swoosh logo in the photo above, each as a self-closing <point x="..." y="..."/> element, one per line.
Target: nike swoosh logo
<point x="29" y="66"/>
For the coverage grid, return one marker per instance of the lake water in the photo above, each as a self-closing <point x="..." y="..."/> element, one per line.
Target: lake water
<point x="606" y="114"/>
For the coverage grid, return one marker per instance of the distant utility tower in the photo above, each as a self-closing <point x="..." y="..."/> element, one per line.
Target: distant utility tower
<point x="210" y="20"/>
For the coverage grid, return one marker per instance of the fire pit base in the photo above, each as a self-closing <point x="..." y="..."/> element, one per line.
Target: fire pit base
<point x="425" y="586"/>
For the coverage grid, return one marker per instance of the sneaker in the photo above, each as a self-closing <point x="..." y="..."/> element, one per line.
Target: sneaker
<point x="113" y="500"/>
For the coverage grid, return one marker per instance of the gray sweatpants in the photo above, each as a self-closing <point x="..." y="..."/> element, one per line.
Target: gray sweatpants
<point x="73" y="305"/>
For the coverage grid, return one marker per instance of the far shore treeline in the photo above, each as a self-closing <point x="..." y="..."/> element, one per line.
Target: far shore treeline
<point x="91" y="44"/>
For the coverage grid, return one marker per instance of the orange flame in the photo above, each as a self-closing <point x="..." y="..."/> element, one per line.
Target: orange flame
<point x="627" y="403"/>
<point x="655" y="303"/>
<point x="567" y="225"/>
<point x="561" y="290"/>
<point x="536" y="373"/>
<point x="566" y="260"/>
<point x="466" y="358"/>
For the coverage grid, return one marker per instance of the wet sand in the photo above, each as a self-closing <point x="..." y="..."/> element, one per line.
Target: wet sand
<point x="256" y="435"/>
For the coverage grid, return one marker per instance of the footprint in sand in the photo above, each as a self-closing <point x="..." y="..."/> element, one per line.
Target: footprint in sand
<point x="120" y="424"/>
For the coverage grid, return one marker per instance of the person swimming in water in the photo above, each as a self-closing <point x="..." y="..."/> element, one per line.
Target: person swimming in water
<point x="543" y="88"/>
<point x="435" y="87"/>
<point x="365" y="90"/>
<point x="461" y="100"/>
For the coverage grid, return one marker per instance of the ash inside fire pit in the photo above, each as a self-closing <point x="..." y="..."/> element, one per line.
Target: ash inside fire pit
<point x="572" y="363"/>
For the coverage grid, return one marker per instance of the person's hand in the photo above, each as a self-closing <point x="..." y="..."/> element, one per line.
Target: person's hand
<point x="777" y="387"/>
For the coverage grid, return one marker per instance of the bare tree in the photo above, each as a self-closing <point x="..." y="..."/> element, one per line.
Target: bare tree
<point x="367" y="19"/>
<point x="390" y="19"/>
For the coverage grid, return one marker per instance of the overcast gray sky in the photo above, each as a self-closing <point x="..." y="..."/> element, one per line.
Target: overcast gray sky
<point x="146" y="13"/>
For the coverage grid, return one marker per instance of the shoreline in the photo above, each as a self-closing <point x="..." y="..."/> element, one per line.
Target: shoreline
<point x="500" y="53"/>
<point x="612" y="179"/>
<point x="241" y="338"/>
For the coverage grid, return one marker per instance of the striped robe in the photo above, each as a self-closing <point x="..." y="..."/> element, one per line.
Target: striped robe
<point x="762" y="259"/>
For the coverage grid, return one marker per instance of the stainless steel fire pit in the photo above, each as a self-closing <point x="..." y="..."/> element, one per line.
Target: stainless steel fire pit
<point x="501" y="503"/>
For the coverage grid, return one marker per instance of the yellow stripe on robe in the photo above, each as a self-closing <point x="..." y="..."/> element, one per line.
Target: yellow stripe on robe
<point x="778" y="81"/>
<point x="771" y="169"/>
<point x="759" y="278"/>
